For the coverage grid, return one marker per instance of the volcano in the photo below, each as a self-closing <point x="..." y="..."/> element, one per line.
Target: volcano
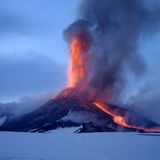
<point x="71" y="109"/>
<point x="79" y="106"/>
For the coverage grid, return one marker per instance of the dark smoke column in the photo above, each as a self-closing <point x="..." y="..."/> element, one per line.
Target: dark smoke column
<point x="114" y="28"/>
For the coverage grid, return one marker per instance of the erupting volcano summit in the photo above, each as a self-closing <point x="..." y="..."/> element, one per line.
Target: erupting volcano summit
<point x="103" y="46"/>
<point x="75" y="107"/>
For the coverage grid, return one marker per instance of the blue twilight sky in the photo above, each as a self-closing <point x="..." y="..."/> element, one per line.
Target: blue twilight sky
<point x="33" y="53"/>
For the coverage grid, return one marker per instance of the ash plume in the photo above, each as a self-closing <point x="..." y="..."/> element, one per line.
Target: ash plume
<point x="113" y="28"/>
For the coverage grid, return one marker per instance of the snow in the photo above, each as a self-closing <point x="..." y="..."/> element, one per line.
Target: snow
<point x="63" y="144"/>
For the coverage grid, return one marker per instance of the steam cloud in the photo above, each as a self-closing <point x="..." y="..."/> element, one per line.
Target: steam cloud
<point x="113" y="29"/>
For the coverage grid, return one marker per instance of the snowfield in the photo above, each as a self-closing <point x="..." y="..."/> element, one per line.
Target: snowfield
<point x="63" y="144"/>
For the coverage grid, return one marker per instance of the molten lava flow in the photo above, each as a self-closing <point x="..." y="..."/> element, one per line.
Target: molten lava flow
<point x="77" y="64"/>
<point x="118" y="119"/>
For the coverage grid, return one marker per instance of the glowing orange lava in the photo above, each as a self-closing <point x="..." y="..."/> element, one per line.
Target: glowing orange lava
<point x="77" y="62"/>
<point x="118" y="119"/>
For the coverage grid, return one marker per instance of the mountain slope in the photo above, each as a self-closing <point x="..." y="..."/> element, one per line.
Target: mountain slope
<point x="71" y="109"/>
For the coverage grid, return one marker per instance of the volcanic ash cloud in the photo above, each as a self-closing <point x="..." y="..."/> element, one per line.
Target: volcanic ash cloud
<point x="111" y="29"/>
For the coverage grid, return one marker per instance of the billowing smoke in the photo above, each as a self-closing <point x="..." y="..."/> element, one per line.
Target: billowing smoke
<point x="113" y="28"/>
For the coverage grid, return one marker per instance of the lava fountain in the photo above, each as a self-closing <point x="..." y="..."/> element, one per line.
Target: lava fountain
<point x="77" y="63"/>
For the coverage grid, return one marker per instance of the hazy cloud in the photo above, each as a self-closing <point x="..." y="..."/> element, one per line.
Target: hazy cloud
<point x="22" y="75"/>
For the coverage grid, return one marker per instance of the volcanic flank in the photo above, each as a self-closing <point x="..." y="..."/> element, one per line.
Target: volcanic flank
<point x="72" y="109"/>
<point x="103" y="45"/>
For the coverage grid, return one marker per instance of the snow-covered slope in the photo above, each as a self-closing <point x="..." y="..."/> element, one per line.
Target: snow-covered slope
<point x="64" y="145"/>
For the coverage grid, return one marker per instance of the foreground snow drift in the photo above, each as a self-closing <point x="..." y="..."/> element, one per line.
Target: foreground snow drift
<point x="64" y="145"/>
